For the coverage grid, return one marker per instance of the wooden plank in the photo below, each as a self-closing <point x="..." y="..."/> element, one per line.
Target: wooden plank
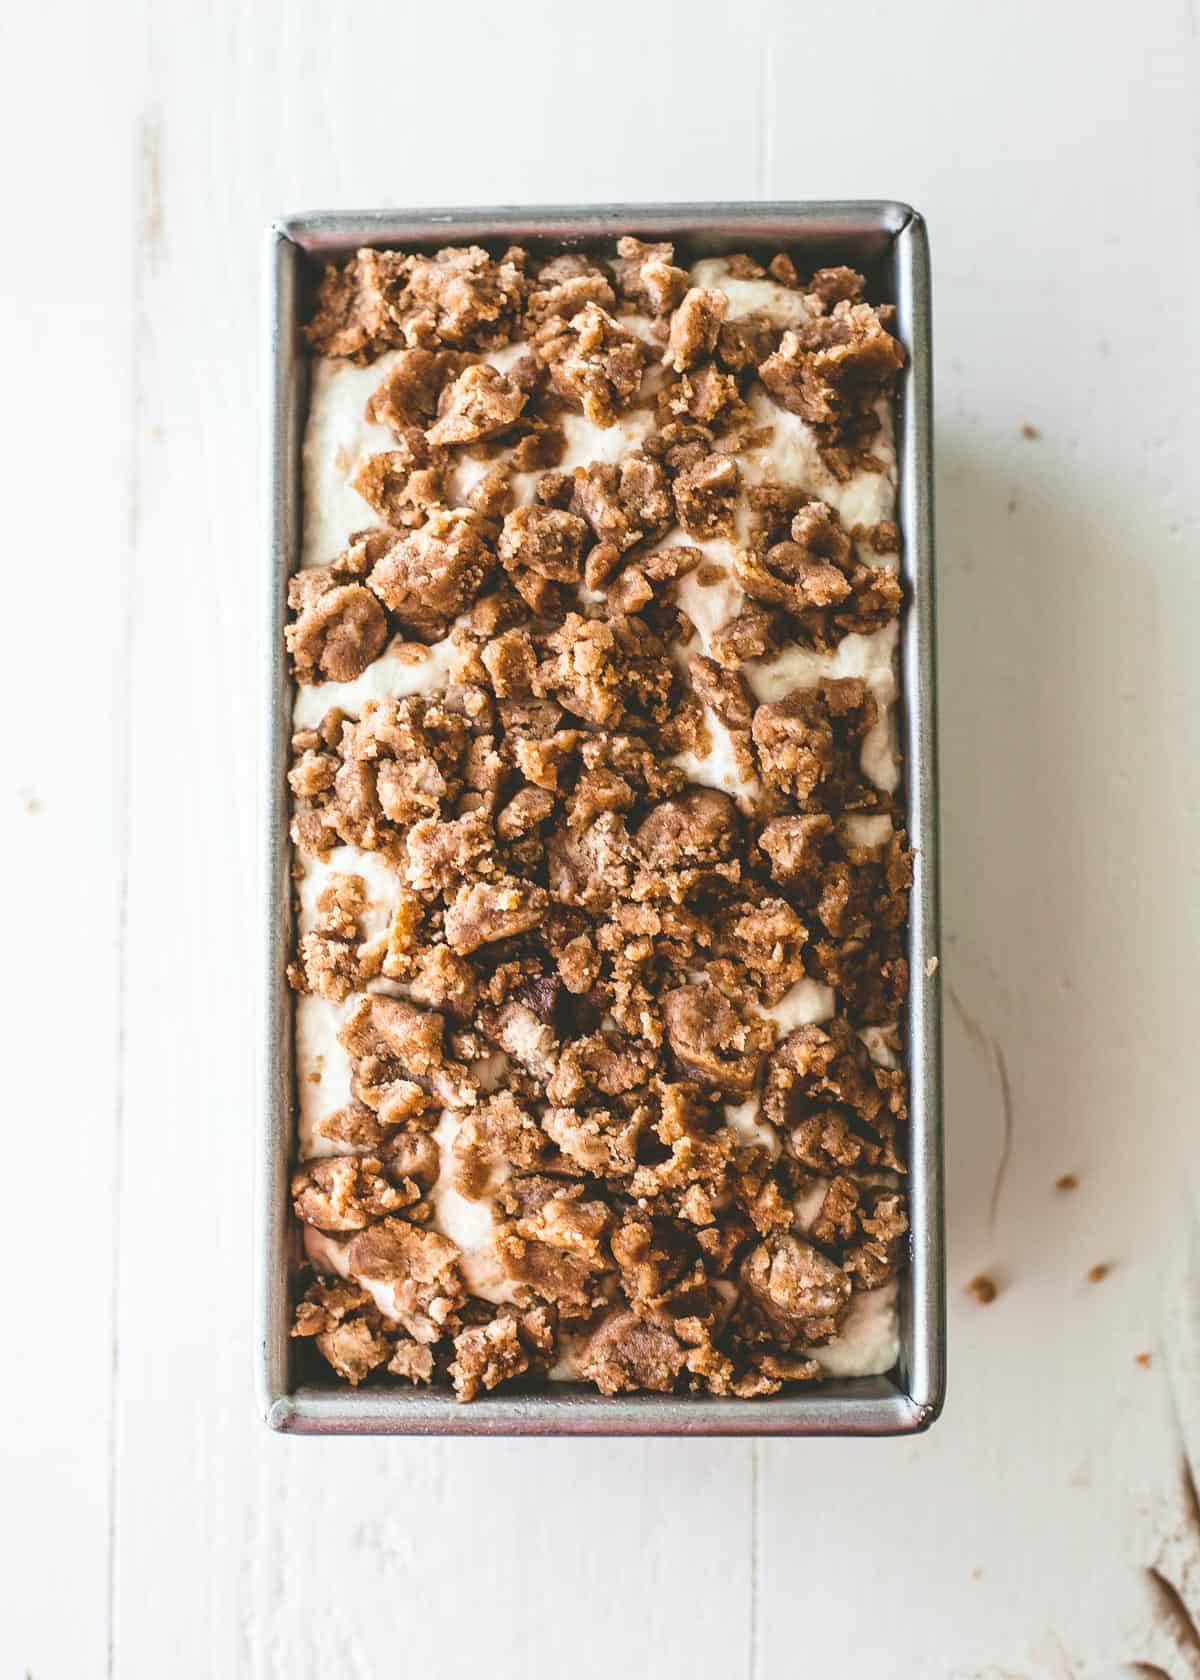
<point x="243" y="1552"/>
<point x="456" y="1558"/>
<point x="1010" y="1540"/>
<point x="65" y="425"/>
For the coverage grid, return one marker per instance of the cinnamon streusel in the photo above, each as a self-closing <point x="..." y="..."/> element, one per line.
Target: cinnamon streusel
<point x="600" y="863"/>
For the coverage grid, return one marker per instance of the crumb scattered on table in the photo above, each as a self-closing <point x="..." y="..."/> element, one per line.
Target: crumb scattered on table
<point x="1068" y="1181"/>
<point x="1030" y="432"/>
<point x="984" y="1288"/>
<point x="1099" y="1272"/>
<point x="1144" y="1360"/>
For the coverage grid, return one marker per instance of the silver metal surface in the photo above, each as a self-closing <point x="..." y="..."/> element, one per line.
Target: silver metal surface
<point x="888" y="241"/>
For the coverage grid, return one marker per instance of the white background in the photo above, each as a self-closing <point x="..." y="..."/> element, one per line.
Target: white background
<point x="153" y="1526"/>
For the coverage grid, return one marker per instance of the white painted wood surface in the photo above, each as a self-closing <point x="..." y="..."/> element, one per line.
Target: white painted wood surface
<point x="153" y="1525"/>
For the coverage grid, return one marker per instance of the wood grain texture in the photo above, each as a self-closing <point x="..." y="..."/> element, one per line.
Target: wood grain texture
<point x="1053" y="152"/>
<point x="65" y="440"/>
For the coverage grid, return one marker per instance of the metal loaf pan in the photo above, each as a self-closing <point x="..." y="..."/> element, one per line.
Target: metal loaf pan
<point x="887" y="241"/>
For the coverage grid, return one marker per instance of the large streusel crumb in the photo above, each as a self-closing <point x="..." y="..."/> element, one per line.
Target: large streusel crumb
<point x="600" y="859"/>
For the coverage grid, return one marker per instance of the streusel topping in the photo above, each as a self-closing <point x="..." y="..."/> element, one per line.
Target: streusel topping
<point x="601" y="866"/>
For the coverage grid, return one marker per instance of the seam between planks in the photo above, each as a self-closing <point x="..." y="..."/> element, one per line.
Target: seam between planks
<point x="147" y="232"/>
<point x="752" y="1655"/>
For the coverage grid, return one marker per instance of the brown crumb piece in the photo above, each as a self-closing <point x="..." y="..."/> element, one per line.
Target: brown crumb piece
<point x="694" y="328"/>
<point x="524" y="813"/>
<point x="984" y="1288"/>
<point x="492" y="493"/>
<point x="491" y="910"/>
<point x="544" y="540"/>
<point x="562" y="287"/>
<point x="798" y="848"/>
<point x="386" y="1029"/>
<point x="496" y="1136"/>
<point x="713" y="1041"/>
<point x="1144" y="1360"/>
<point x="1068" y="1181"/>
<point x="646" y="274"/>
<point x="706" y="496"/>
<point x="800" y="1293"/>
<point x="346" y="1328"/>
<point x="631" y="591"/>
<point x="625" y="1353"/>
<point x="1098" y="1272"/>
<point x="357" y="310"/>
<point x="338" y="634"/>
<point x="830" y="286"/>
<point x="406" y="399"/>
<point x="511" y="663"/>
<point x="420" y="1269"/>
<point x="554" y="1275"/>
<point x="403" y="760"/>
<point x="442" y="854"/>
<point x="835" y="1105"/>
<point x="411" y="1361"/>
<point x="330" y="957"/>
<point x="600" y="1141"/>
<point x="425" y="580"/>
<point x="708" y="395"/>
<point x="753" y="634"/>
<point x="623" y="504"/>
<point x="768" y="939"/>
<point x="803" y="561"/>
<point x="440" y="979"/>
<point x="338" y="627"/>
<point x="602" y="670"/>
<point x="746" y="341"/>
<point x="593" y="363"/>
<point x="481" y="403"/>
<point x="403" y="485"/>
<point x="1030" y="432"/>
<point x="808" y="738"/>
<point x="458" y="297"/>
<point x="486" y="1355"/>
<point x="833" y="371"/>
<point x="725" y="692"/>
<point x="346" y="1192"/>
<point x="461" y="297"/>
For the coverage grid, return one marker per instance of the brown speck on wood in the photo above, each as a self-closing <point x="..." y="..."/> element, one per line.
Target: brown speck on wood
<point x="1099" y="1272"/>
<point x="984" y="1289"/>
<point x="1068" y="1181"/>
<point x="1030" y="432"/>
